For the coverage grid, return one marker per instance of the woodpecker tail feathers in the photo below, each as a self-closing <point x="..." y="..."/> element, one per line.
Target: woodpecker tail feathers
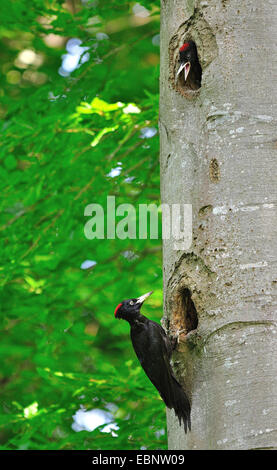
<point x="178" y="400"/>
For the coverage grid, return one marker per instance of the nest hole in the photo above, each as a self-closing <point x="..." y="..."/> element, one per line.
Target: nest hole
<point x="185" y="315"/>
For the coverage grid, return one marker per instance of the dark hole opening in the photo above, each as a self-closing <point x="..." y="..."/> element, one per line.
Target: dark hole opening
<point x="189" y="313"/>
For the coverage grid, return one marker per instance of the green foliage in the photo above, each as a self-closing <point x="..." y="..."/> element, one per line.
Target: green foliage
<point x="62" y="137"/>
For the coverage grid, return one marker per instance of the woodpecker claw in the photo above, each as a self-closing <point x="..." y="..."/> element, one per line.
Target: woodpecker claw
<point x="178" y="333"/>
<point x="175" y="338"/>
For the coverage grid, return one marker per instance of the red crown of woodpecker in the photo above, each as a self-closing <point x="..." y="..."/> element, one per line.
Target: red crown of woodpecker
<point x="117" y="308"/>
<point x="184" y="47"/>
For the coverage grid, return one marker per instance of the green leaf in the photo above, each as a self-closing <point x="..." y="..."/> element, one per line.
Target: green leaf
<point x="10" y="162"/>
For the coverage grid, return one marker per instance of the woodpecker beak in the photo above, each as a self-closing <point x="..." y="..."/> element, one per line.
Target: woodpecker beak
<point x="142" y="298"/>
<point x="186" y="67"/>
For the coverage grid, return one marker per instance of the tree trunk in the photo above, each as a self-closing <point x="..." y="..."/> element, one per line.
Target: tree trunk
<point x="218" y="146"/>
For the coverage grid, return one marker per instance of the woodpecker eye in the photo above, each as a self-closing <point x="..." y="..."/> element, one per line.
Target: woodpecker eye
<point x="131" y="302"/>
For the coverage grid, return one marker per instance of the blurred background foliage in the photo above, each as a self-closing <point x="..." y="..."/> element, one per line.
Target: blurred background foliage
<point x="79" y="112"/>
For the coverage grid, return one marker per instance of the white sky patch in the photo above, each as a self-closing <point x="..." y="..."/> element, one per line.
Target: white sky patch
<point x="115" y="172"/>
<point x="75" y="57"/>
<point x="84" y="420"/>
<point x="129" y="179"/>
<point x="88" y="263"/>
<point x="148" y="132"/>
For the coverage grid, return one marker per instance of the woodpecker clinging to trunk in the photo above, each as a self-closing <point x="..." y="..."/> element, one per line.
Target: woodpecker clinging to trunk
<point x="189" y="65"/>
<point x="153" y="349"/>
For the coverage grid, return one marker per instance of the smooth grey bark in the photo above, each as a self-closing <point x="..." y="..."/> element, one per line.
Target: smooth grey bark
<point x="218" y="153"/>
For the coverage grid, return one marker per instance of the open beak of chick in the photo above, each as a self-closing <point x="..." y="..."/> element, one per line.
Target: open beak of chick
<point x="185" y="66"/>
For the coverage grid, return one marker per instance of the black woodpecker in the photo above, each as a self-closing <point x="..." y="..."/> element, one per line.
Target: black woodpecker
<point x="154" y="348"/>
